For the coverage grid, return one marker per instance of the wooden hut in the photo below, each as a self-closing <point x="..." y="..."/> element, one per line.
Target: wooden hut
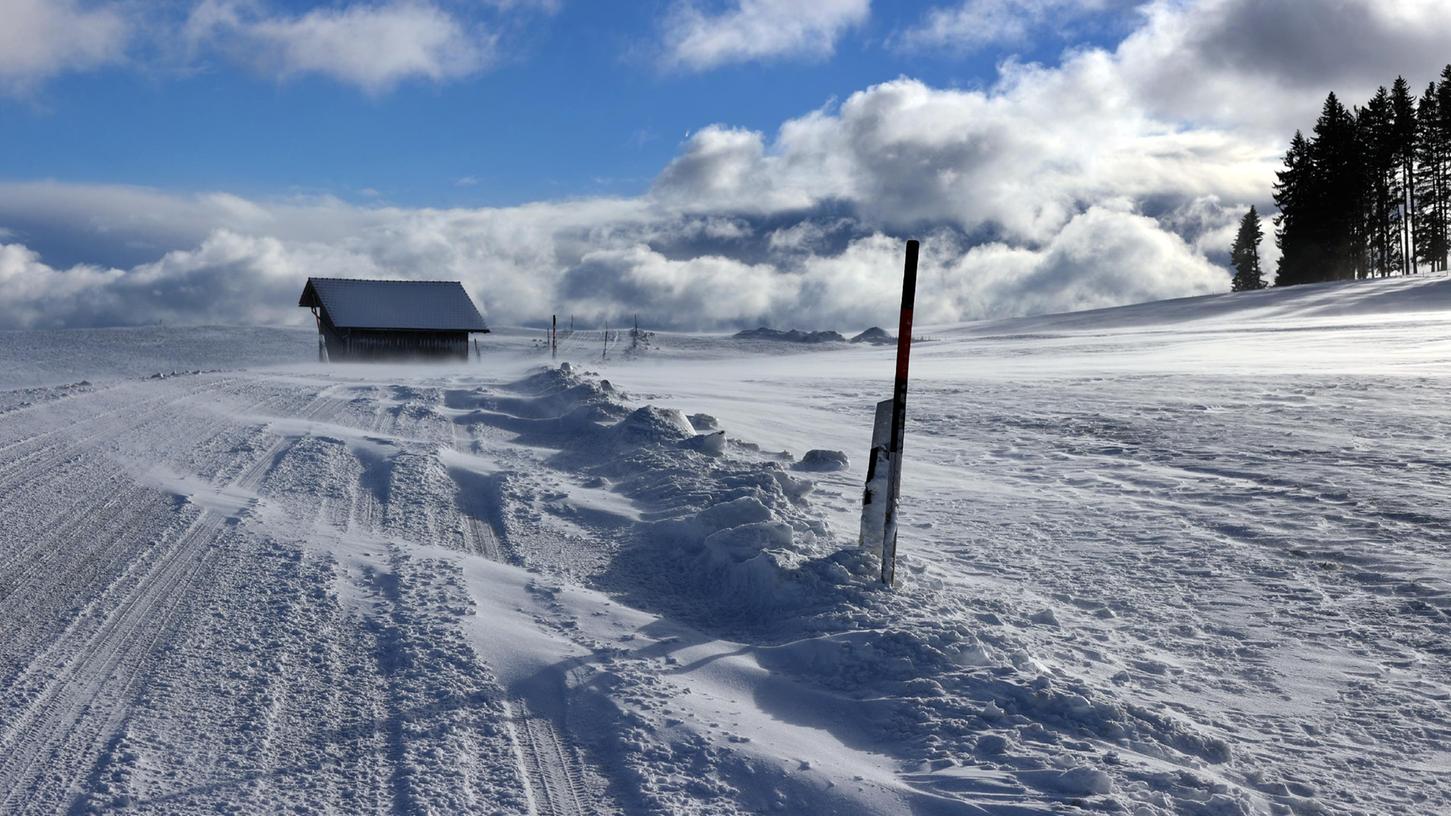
<point x="383" y="319"/>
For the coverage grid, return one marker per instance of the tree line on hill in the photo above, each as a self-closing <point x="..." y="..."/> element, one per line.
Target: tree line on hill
<point x="1367" y="194"/>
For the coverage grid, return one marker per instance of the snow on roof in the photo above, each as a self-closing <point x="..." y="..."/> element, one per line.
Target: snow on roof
<point x="394" y="304"/>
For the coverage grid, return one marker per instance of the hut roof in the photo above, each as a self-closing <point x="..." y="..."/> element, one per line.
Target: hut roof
<point x="394" y="304"/>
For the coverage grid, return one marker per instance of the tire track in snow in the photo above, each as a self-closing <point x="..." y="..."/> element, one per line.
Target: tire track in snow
<point x="103" y="524"/>
<point x="430" y="697"/>
<point x="69" y="546"/>
<point x="550" y="764"/>
<point x="138" y="563"/>
<point x="556" y="772"/>
<point x="63" y="706"/>
<point x="55" y="738"/>
<point x="63" y="442"/>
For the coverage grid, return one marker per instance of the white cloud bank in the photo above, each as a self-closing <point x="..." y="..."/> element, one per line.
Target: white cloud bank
<point x="522" y="264"/>
<point x="40" y="39"/>
<point x="756" y="30"/>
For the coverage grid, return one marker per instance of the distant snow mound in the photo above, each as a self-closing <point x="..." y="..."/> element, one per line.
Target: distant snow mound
<point x="790" y="336"/>
<point x="876" y="335"/>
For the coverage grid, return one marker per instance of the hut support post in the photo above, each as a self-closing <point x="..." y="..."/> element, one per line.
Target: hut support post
<point x="321" y="353"/>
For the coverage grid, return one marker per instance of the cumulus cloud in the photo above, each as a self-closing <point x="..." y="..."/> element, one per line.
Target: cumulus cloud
<point x="30" y="290"/>
<point x="1103" y="257"/>
<point x="976" y="24"/>
<point x="1017" y="161"/>
<point x="753" y="30"/>
<point x="712" y="290"/>
<point x="1266" y="67"/>
<point x="40" y="39"/>
<point x="372" y="47"/>
<point x="1259" y="69"/>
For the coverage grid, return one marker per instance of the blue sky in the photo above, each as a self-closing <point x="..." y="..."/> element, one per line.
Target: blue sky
<point x="706" y="164"/>
<point x="576" y="102"/>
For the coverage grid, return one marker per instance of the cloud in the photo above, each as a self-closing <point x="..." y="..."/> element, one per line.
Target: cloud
<point x="599" y="259"/>
<point x="34" y="295"/>
<point x="1255" y="68"/>
<point x="1016" y="162"/>
<point x="40" y="39"/>
<point x="1266" y="67"/>
<point x="757" y="30"/>
<point x="713" y="290"/>
<point x="228" y="278"/>
<point x="522" y="265"/>
<point x="975" y="24"/>
<point x="1102" y="257"/>
<point x="543" y="6"/>
<point x="372" y="47"/>
<point x="1089" y="183"/>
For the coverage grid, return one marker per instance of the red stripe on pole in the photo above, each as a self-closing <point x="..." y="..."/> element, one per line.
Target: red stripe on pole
<point x="904" y="345"/>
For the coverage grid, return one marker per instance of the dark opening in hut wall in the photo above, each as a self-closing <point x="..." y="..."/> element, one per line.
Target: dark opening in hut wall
<point x="359" y="344"/>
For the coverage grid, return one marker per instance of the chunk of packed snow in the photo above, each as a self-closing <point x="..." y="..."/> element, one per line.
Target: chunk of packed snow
<point x="818" y="459"/>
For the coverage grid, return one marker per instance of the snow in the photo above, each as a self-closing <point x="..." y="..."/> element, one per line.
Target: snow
<point x="1183" y="557"/>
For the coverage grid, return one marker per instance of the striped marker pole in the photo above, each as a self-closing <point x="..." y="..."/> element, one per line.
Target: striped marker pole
<point x="899" y="413"/>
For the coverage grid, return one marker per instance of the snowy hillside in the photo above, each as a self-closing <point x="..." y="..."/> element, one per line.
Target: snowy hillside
<point x="1183" y="557"/>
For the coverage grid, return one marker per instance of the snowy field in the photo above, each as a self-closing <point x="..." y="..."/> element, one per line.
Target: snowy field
<point x="1179" y="558"/>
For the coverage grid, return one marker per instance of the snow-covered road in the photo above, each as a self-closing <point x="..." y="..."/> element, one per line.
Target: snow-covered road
<point x="1188" y="557"/>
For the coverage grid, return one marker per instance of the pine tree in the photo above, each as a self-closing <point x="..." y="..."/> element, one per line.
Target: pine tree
<point x="1245" y="254"/>
<point x="1403" y="130"/>
<point x="1443" y="137"/>
<point x="1361" y="227"/>
<point x="1336" y="209"/>
<point x="1319" y="195"/>
<point x="1379" y="184"/>
<point x="1293" y="196"/>
<point x="1430" y="183"/>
